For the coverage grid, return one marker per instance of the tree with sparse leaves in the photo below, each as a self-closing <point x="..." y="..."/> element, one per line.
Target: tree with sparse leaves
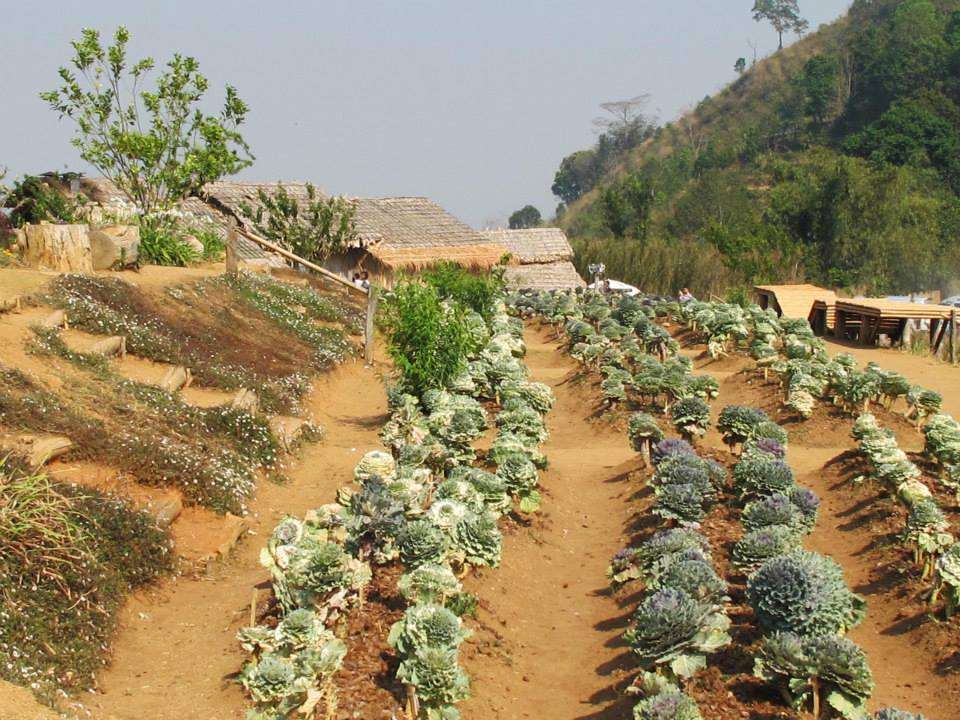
<point x="526" y="217"/>
<point x="740" y="66"/>
<point x="783" y="15"/>
<point x="157" y="145"/>
<point x="314" y="230"/>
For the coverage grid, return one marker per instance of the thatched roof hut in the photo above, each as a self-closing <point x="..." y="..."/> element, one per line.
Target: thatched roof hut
<point x="397" y="234"/>
<point x="544" y="258"/>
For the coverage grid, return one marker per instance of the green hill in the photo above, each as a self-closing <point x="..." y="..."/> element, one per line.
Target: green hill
<point x="836" y="160"/>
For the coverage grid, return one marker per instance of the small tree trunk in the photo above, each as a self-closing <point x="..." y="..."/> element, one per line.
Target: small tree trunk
<point x="645" y="452"/>
<point x="413" y="703"/>
<point x="815" y="684"/>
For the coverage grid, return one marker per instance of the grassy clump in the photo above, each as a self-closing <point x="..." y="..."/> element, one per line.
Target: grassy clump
<point x="270" y="341"/>
<point x="211" y="454"/>
<point x="67" y="558"/>
<point x="297" y="310"/>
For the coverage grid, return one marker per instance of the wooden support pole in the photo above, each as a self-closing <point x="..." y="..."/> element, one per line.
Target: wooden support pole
<point x="232" y="260"/>
<point x="283" y="252"/>
<point x="953" y="336"/>
<point x="368" y="336"/>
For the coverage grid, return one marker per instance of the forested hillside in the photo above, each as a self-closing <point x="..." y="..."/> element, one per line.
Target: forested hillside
<point x="834" y="161"/>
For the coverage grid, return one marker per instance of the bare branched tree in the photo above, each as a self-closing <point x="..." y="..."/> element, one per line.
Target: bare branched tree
<point x="622" y="114"/>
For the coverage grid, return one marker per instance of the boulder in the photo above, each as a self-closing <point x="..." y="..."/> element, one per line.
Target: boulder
<point x="56" y="319"/>
<point x="167" y="510"/>
<point x="245" y="400"/>
<point x="194" y="244"/>
<point x="287" y="430"/>
<point x="114" y="246"/>
<point x="63" y="248"/>
<point x="110" y="346"/>
<point x="176" y="378"/>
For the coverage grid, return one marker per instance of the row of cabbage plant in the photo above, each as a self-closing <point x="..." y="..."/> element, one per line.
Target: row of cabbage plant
<point x="682" y="616"/>
<point x="800" y="599"/>
<point x="935" y="549"/>
<point x="789" y="348"/>
<point x="450" y="505"/>
<point x="425" y="504"/>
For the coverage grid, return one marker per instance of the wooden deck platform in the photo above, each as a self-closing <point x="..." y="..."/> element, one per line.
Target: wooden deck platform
<point x="865" y="319"/>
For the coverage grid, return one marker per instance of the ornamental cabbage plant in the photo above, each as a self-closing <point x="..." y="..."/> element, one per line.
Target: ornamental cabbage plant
<point x="673" y="633"/>
<point x="818" y="671"/>
<point x="803" y="593"/>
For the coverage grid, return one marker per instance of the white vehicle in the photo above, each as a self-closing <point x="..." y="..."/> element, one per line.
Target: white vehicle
<point x="617" y="287"/>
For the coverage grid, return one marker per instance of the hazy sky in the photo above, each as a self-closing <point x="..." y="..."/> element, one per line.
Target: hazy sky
<point x="471" y="103"/>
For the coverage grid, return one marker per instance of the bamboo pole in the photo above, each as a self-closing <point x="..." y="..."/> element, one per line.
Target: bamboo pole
<point x="368" y="336"/>
<point x="953" y="336"/>
<point x="297" y="259"/>
<point x="231" y="260"/>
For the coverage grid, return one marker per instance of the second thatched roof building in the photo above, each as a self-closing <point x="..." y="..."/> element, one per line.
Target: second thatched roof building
<point x="543" y="258"/>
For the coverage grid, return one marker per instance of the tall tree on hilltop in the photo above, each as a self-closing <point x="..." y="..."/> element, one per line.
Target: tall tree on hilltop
<point x="783" y="15"/>
<point x="526" y="217"/>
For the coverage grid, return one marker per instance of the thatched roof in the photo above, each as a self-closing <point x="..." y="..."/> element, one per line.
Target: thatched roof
<point x="533" y="245"/>
<point x="472" y="257"/>
<point x="796" y="301"/>
<point x="388" y="223"/>
<point x="402" y="232"/>
<point x="560" y="275"/>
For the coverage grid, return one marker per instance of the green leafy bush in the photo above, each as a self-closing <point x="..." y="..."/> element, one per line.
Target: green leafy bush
<point x="478" y="292"/>
<point x="428" y="340"/>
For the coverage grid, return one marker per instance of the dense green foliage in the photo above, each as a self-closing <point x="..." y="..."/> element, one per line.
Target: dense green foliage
<point x="34" y="200"/>
<point x="834" y="161"/>
<point x="526" y="217"/>
<point x="428" y="339"/>
<point x="471" y="290"/>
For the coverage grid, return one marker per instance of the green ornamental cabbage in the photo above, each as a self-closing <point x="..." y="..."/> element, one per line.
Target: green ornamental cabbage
<point x="429" y="583"/>
<point x="762" y="544"/>
<point x="671" y="704"/>
<point x="817" y="669"/>
<point x="437" y="677"/>
<point x="804" y="593"/>
<point x="375" y="464"/>
<point x="421" y="542"/>
<point x="673" y="631"/>
<point x="477" y="539"/>
<point x="424" y="626"/>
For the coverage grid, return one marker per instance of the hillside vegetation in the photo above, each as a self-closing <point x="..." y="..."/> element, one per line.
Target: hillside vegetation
<point x="834" y="161"/>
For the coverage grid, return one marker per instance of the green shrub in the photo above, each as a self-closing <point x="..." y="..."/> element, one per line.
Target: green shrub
<point x="428" y="339"/>
<point x="67" y="558"/>
<point x="471" y="290"/>
<point x="162" y="243"/>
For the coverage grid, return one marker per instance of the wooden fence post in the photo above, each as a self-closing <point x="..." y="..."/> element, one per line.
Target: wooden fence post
<point x="232" y="246"/>
<point x="953" y="336"/>
<point x="369" y="330"/>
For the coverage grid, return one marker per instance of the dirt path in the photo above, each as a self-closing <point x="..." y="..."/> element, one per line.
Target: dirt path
<point x="176" y="649"/>
<point x="549" y="645"/>
<point x="903" y="657"/>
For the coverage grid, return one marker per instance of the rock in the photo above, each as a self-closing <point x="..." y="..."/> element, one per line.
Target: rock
<point x="245" y="400"/>
<point x="194" y="244"/>
<point x="287" y="430"/>
<point x="41" y="450"/>
<point x="64" y="248"/>
<point x="110" y="346"/>
<point x="176" y="378"/>
<point x="114" y="246"/>
<point x="234" y="527"/>
<point x="167" y="510"/>
<point x="56" y="319"/>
